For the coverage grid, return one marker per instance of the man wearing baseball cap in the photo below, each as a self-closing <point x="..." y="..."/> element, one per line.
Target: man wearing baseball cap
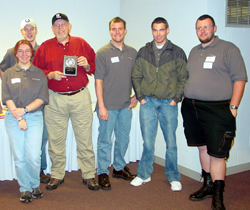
<point x="29" y="32"/>
<point x="69" y="98"/>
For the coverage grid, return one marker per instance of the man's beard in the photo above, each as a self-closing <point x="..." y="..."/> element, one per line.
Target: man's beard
<point x="207" y="40"/>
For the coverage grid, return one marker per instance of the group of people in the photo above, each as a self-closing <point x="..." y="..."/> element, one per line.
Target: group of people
<point x="211" y="81"/>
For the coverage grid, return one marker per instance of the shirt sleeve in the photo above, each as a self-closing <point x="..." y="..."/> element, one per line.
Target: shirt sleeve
<point x="5" y="89"/>
<point x="235" y="64"/>
<point x="137" y="76"/>
<point x="90" y="55"/>
<point x="40" y="60"/>
<point x="44" y="93"/>
<point x="6" y="62"/>
<point x="100" y="62"/>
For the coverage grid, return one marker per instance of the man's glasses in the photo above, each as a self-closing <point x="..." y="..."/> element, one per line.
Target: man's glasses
<point x="60" y="25"/>
<point x="204" y="27"/>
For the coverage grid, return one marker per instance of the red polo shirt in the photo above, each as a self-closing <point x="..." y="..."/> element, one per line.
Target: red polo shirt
<point x="49" y="57"/>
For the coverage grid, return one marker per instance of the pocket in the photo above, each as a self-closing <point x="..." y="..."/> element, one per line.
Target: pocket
<point x="227" y="142"/>
<point x="231" y="114"/>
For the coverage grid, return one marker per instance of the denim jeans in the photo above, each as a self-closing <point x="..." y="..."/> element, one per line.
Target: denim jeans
<point x="44" y="142"/>
<point x="120" y="122"/>
<point x="151" y="112"/>
<point x="26" y="148"/>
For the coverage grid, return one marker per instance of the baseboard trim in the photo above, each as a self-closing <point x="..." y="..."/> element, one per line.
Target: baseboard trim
<point x="197" y="176"/>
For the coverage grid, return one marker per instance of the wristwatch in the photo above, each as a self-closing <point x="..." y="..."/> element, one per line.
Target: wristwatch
<point x="233" y="106"/>
<point x="25" y="110"/>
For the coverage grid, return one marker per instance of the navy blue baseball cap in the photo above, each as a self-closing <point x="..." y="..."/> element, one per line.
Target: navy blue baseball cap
<point x="59" y="16"/>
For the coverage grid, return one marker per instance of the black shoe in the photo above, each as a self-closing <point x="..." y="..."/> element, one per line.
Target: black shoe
<point x="218" y="188"/>
<point x="91" y="184"/>
<point x="206" y="191"/>
<point x="54" y="183"/>
<point x="37" y="193"/>
<point x="44" y="178"/>
<point x="124" y="174"/>
<point x="25" y="197"/>
<point x="103" y="181"/>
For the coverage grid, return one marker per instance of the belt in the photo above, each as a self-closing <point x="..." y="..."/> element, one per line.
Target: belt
<point x="209" y="102"/>
<point x="70" y="93"/>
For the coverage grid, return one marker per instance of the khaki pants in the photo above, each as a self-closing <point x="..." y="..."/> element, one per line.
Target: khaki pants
<point x="78" y="108"/>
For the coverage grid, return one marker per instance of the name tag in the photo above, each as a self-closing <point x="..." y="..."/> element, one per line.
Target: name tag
<point x="115" y="59"/>
<point x="15" y="80"/>
<point x="207" y="65"/>
<point x="210" y="58"/>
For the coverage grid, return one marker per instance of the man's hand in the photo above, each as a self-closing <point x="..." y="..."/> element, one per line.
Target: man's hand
<point x="143" y="101"/>
<point x="234" y="112"/>
<point x="133" y="102"/>
<point x="82" y="61"/>
<point x="172" y="103"/>
<point x="56" y="75"/>
<point x="103" y="113"/>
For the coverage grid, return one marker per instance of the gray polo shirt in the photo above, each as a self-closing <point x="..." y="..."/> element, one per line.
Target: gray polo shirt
<point x="23" y="87"/>
<point x="213" y="70"/>
<point x="114" y="67"/>
<point x="9" y="59"/>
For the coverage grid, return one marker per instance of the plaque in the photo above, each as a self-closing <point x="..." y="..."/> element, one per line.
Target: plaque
<point x="70" y="65"/>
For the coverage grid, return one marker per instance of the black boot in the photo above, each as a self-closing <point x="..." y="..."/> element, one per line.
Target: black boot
<point x="206" y="190"/>
<point x="218" y="188"/>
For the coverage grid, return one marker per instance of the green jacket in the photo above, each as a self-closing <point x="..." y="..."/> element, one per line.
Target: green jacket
<point x="164" y="81"/>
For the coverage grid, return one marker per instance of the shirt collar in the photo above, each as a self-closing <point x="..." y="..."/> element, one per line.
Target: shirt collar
<point x="125" y="48"/>
<point x="163" y="48"/>
<point x="18" y="68"/>
<point x="36" y="46"/>
<point x="60" y="43"/>
<point x="212" y="44"/>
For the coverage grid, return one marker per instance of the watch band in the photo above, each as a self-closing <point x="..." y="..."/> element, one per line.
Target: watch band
<point x="233" y="106"/>
<point x="25" y="110"/>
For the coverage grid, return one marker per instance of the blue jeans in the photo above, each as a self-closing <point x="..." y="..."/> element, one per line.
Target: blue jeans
<point x="44" y="142"/>
<point x="26" y="148"/>
<point x="151" y="112"/>
<point x="120" y="122"/>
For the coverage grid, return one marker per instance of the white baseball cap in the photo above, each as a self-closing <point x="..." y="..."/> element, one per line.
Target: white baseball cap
<point x="27" y="21"/>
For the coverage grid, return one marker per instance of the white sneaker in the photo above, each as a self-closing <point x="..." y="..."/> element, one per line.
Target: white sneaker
<point x="176" y="186"/>
<point x="137" y="181"/>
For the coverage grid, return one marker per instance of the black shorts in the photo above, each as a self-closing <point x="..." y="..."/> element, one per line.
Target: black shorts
<point x="209" y="123"/>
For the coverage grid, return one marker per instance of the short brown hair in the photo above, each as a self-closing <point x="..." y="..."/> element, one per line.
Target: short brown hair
<point x="117" y="20"/>
<point x="160" y="20"/>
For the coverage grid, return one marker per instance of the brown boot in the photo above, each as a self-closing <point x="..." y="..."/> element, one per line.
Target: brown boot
<point x="207" y="189"/>
<point x="218" y="188"/>
<point x="44" y="178"/>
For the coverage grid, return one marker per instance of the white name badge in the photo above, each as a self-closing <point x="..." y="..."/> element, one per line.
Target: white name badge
<point x="210" y="58"/>
<point x="115" y="59"/>
<point x="207" y="65"/>
<point x="15" y="80"/>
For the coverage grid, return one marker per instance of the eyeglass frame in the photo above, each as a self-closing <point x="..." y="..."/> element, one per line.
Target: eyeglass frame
<point x="204" y="27"/>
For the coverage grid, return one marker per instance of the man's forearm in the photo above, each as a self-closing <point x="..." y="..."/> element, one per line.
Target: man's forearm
<point x="238" y="90"/>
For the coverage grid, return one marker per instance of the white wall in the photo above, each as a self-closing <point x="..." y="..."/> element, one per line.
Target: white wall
<point x="181" y="16"/>
<point x="90" y="19"/>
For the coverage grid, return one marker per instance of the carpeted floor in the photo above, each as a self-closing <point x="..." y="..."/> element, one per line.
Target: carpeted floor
<point x="73" y="195"/>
